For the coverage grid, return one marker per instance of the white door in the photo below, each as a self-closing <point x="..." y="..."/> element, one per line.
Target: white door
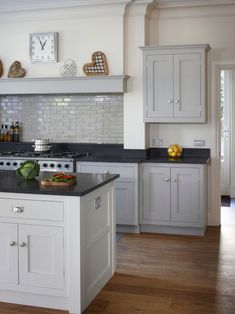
<point x="160" y="86"/>
<point x="8" y="253"/>
<point x="225" y="131"/>
<point x="41" y="256"/>
<point x="156" y="193"/>
<point x="185" y="194"/>
<point x="187" y="86"/>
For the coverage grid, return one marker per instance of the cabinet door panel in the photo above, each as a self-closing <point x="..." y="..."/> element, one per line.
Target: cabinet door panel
<point x="8" y="253"/>
<point x="187" y="85"/>
<point x="156" y="193"/>
<point x="125" y="208"/>
<point x="185" y="195"/>
<point x="160" y="86"/>
<point x="41" y="259"/>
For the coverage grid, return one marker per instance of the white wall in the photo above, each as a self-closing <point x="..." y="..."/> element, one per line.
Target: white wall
<point x="212" y="25"/>
<point x="79" y="37"/>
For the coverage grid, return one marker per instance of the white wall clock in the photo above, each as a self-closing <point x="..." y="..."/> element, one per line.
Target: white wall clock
<point x="43" y="47"/>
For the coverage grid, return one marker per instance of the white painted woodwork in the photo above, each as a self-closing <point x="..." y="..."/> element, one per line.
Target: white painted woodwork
<point x="41" y="260"/>
<point x="31" y="209"/>
<point x="156" y="191"/>
<point x="56" y="263"/>
<point x="62" y="85"/>
<point x="8" y="253"/>
<point x="126" y="188"/>
<point x="174" y="198"/>
<point x="174" y="83"/>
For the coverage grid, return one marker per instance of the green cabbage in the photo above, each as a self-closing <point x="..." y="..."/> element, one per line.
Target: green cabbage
<point x="29" y="169"/>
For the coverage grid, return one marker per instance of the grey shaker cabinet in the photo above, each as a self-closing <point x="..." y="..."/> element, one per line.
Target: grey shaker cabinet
<point x="174" y="83"/>
<point x="173" y="198"/>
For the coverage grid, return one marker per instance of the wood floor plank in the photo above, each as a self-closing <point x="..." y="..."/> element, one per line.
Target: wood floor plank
<point x="166" y="274"/>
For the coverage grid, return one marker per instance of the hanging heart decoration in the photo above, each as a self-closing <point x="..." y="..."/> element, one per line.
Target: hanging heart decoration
<point x="16" y="71"/>
<point x="69" y="69"/>
<point x="98" y="66"/>
<point x="1" y="68"/>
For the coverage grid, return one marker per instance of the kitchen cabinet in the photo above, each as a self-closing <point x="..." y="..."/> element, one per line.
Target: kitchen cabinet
<point x="126" y="188"/>
<point x="24" y="245"/>
<point x="56" y="251"/>
<point x="174" y="198"/>
<point x="175" y="83"/>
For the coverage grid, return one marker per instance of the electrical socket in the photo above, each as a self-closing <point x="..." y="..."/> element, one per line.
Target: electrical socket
<point x="157" y="142"/>
<point x="199" y="143"/>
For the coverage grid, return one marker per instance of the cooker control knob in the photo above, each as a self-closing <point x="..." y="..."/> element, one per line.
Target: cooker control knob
<point x="8" y="163"/>
<point x="14" y="164"/>
<point x="44" y="165"/>
<point x="66" y="166"/>
<point x="52" y="165"/>
<point x="59" y="166"/>
<point x="1" y="163"/>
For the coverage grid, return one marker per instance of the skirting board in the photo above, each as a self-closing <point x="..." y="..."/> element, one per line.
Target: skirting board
<point x="173" y="230"/>
<point x="128" y="229"/>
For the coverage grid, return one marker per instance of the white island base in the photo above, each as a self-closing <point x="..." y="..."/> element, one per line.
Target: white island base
<point x="56" y="251"/>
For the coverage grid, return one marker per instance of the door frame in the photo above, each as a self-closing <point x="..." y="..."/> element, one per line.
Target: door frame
<point x="214" y="215"/>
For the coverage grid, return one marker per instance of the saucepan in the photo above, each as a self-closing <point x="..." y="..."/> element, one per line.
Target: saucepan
<point x="42" y="145"/>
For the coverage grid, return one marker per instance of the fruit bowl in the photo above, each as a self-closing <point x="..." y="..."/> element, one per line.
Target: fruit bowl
<point x="175" y="151"/>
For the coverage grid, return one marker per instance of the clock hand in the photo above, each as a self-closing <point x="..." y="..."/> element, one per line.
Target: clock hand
<point x="40" y="43"/>
<point x="44" y="45"/>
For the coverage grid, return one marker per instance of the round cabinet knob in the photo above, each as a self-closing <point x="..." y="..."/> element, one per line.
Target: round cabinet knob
<point x="12" y="243"/>
<point x="59" y="166"/>
<point x="174" y="180"/>
<point x="52" y="165"/>
<point x="8" y="163"/>
<point x="44" y="165"/>
<point x="167" y="179"/>
<point x="22" y="244"/>
<point x="170" y="101"/>
<point x="177" y="101"/>
<point x="1" y="163"/>
<point x="106" y="171"/>
<point x="66" y="166"/>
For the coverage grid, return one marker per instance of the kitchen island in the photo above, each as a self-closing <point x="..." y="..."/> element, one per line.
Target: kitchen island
<point x="57" y="244"/>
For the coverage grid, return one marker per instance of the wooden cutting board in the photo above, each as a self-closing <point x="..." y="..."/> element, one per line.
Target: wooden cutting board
<point x="53" y="183"/>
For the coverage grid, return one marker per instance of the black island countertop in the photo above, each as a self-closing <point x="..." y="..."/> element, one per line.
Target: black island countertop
<point x="86" y="183"/>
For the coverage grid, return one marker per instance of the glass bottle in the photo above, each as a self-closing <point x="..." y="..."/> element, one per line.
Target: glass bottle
<point x="6" y="134"/>
<point x="16" y="136"/>
<point x="12" y="132"/>
<point x="2" y="134"/>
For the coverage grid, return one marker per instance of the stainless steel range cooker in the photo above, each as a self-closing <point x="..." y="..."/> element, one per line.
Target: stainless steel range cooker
<point x="62" y="161"/>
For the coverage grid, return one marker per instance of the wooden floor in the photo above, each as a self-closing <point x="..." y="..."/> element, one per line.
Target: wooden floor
<point x="162" y="274"/>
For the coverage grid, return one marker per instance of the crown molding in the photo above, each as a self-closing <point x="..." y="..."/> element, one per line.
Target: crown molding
<point x="191" y="3"/>
<point x="33" y="5"/>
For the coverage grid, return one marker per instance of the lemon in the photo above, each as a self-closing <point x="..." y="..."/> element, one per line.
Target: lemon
<point x="173" y="154"/>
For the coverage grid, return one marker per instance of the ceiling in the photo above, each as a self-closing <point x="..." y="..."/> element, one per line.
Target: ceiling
<point x="14" y="5"/>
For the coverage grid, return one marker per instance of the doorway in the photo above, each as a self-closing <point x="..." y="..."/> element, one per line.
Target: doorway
<point x="227" y="146"/>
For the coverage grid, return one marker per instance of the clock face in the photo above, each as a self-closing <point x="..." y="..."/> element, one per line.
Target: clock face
<point x="43" y="47"/>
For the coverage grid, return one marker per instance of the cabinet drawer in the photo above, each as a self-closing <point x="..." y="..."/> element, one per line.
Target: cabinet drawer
<point x="31" y="209"/>
<point x="125" y="172"/>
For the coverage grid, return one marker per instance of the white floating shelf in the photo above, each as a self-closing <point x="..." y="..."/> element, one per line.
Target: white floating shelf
<point x="64" y="85"/>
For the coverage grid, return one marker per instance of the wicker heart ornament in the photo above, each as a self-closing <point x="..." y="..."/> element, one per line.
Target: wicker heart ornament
<point x="69" y="69"/>
<point x="1" y="68"/>
<point x="98" y="66"/>
<point x="16" y="70"/>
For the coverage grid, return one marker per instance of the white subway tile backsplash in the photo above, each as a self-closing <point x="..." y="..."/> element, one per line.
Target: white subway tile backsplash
<point x="75" y="118"/>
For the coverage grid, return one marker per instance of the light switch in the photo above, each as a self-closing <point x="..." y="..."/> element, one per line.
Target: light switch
<point x="97" y="202"/>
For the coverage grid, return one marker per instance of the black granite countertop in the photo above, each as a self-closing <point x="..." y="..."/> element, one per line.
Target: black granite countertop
<point x="86" y="183"/>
